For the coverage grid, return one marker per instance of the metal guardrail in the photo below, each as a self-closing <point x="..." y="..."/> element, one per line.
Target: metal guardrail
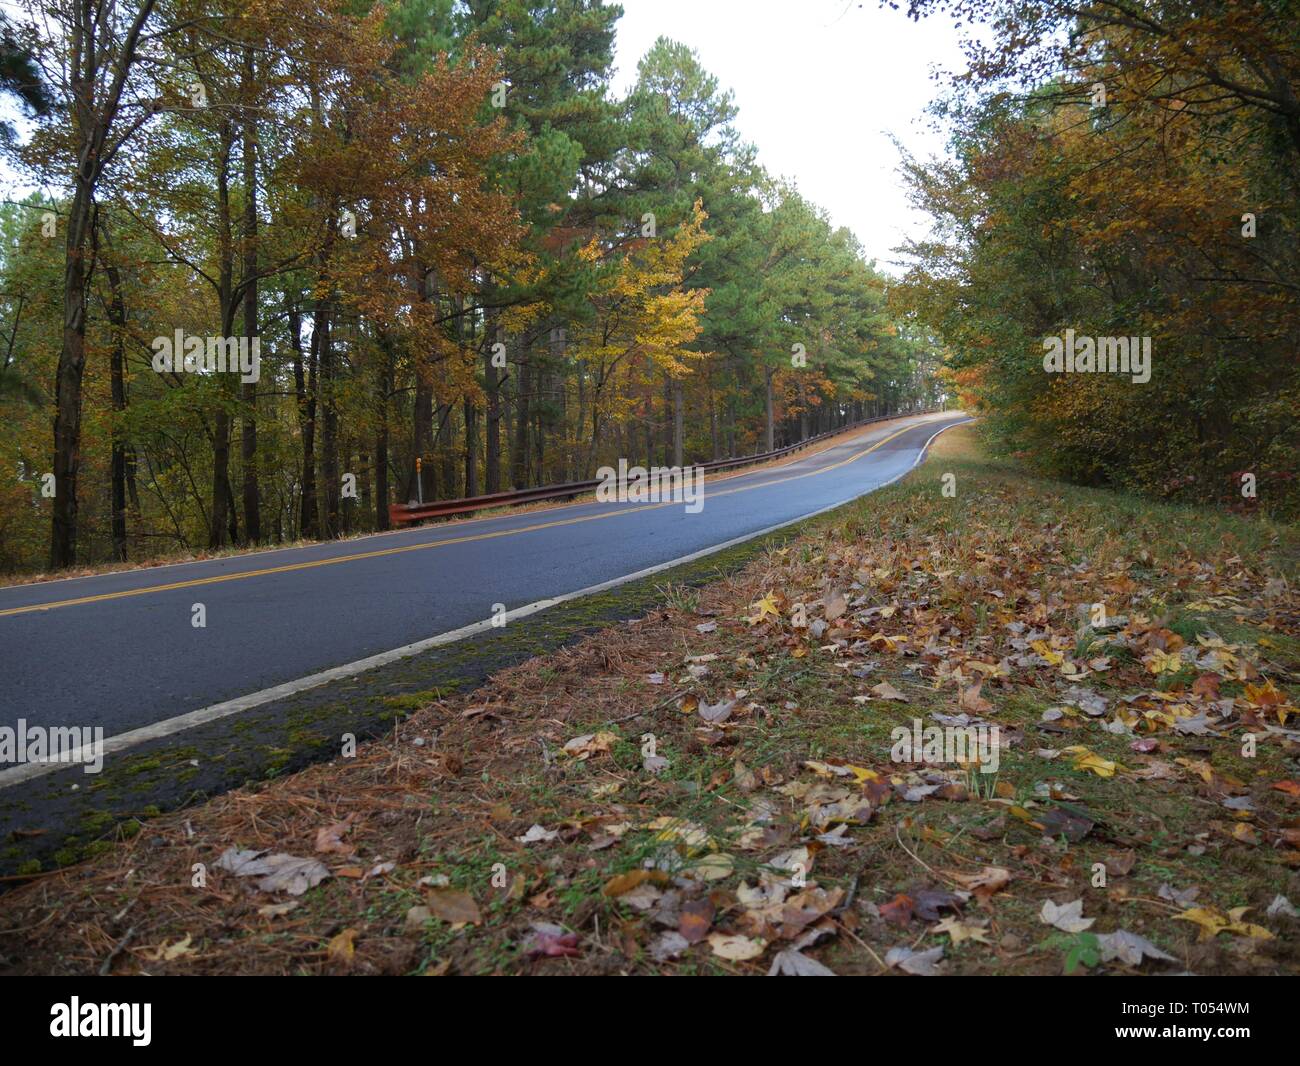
<point x="400" y="514"/>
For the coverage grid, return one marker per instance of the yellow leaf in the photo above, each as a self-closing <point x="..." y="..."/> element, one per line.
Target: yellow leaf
<point x="623" y="883"/>
<point x="693" y="836"/>
<point x="1160" y="662"/>
<point x="958" y="931"/>
<point x="343" y="947"/>
<point x="767" y="607"/>
<point x="1212" y="923"/>
<point x="1090" y="760"/>
<point x="1054" y="658"/>
<point x="168" y="952"/>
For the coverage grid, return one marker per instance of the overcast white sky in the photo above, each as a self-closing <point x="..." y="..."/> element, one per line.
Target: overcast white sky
<point x="819" y="85"/>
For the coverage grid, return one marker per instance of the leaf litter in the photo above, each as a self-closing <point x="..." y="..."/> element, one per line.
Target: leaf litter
<point x="772" y="833"/>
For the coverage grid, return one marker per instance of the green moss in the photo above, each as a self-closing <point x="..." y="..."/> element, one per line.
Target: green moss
<point x="95" y="822"/>
<point x="412" y="701"/>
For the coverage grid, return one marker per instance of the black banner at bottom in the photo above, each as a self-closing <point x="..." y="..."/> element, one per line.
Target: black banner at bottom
<point x="170" y="1014"/>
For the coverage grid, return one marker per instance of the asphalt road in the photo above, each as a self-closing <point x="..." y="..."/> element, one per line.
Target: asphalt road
<point x="119" y="650"/>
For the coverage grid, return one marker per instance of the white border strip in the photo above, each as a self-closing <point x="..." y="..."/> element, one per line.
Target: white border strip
<point x="181" y="722"/>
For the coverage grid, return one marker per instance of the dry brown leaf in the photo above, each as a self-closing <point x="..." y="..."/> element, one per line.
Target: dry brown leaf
<point x="454" y="906"/>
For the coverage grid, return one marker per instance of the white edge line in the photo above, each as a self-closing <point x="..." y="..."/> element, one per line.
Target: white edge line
<point x="203" y="715"/>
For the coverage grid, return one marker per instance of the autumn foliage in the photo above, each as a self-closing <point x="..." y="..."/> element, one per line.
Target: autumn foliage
<point x="1128" y="170"/>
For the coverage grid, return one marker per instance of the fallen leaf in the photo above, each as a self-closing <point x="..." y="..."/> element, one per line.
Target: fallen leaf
<point x="984" y="884"/>
<point x="590" y="744"/>
<point x="329" y="838"/>
<point x="1067" y="917"/>
<point x="928" y="902"/>
<point x="717" y="712"/>
<point x="668" y="945"/>
<point x="767" y="608"/>
<point x="959" y="930"/>
<point x="1121" y="863"/>
<point x="1090" y="760"/>
<point x="538" y="834"/>
<point x="1182" y="896"/>
<point x="454" y="906"/>
<point x="696" y="918"/>
<point x="836" y="605"/>
<point x="276" y="873"/>
<point x="712" y="867"/>
<point x="1282" y="907"/>
<point x="1129" y="948"/>
<point x="169" y="952"/>
<point x="920" y="963"/>
<point x="736" y="948"/>
<point x="624" y="883"/>
<point x="1212" y="923"/>
<point x="343" y="947"/>
<point x="898" y="911"/>
<point x="550" y="941"/>
<point x="972" y="702"/>
<point x="1060" y="821"/>
<point x="792" y="963"/>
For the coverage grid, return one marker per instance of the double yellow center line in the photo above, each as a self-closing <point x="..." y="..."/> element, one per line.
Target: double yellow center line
<point x="334" y="560"/>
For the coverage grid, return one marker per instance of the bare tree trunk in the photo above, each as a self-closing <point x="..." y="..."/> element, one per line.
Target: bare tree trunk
<point x="367" y="492"/>
<point x="679" y="422"/>
<point x="72" y="365"/>
<point x="381" y="436"/>
<point x="556" y="379"/>
<point x="519" y="460"/>
<point x="471" y="449"/>
<point x="89" y="48"/>
<point x="492" y="421"/>
<point x="345" y="512"/>
<point x="329" y="443"/>
<point x="582" y="462"/>
<point x="422" y="438"/>
<point x="771" y="428"/>
<point x="248" y="442"/>
<point x="446" y="448"/>
<point x="713" y="420"/>
<point x="117" y="316"/>
<point x="221" y="494"/>
<point x="422" y="416"/>
<point x="307" y="386"/>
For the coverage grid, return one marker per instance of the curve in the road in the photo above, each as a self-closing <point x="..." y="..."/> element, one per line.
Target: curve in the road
<point x="136" y="666"/>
